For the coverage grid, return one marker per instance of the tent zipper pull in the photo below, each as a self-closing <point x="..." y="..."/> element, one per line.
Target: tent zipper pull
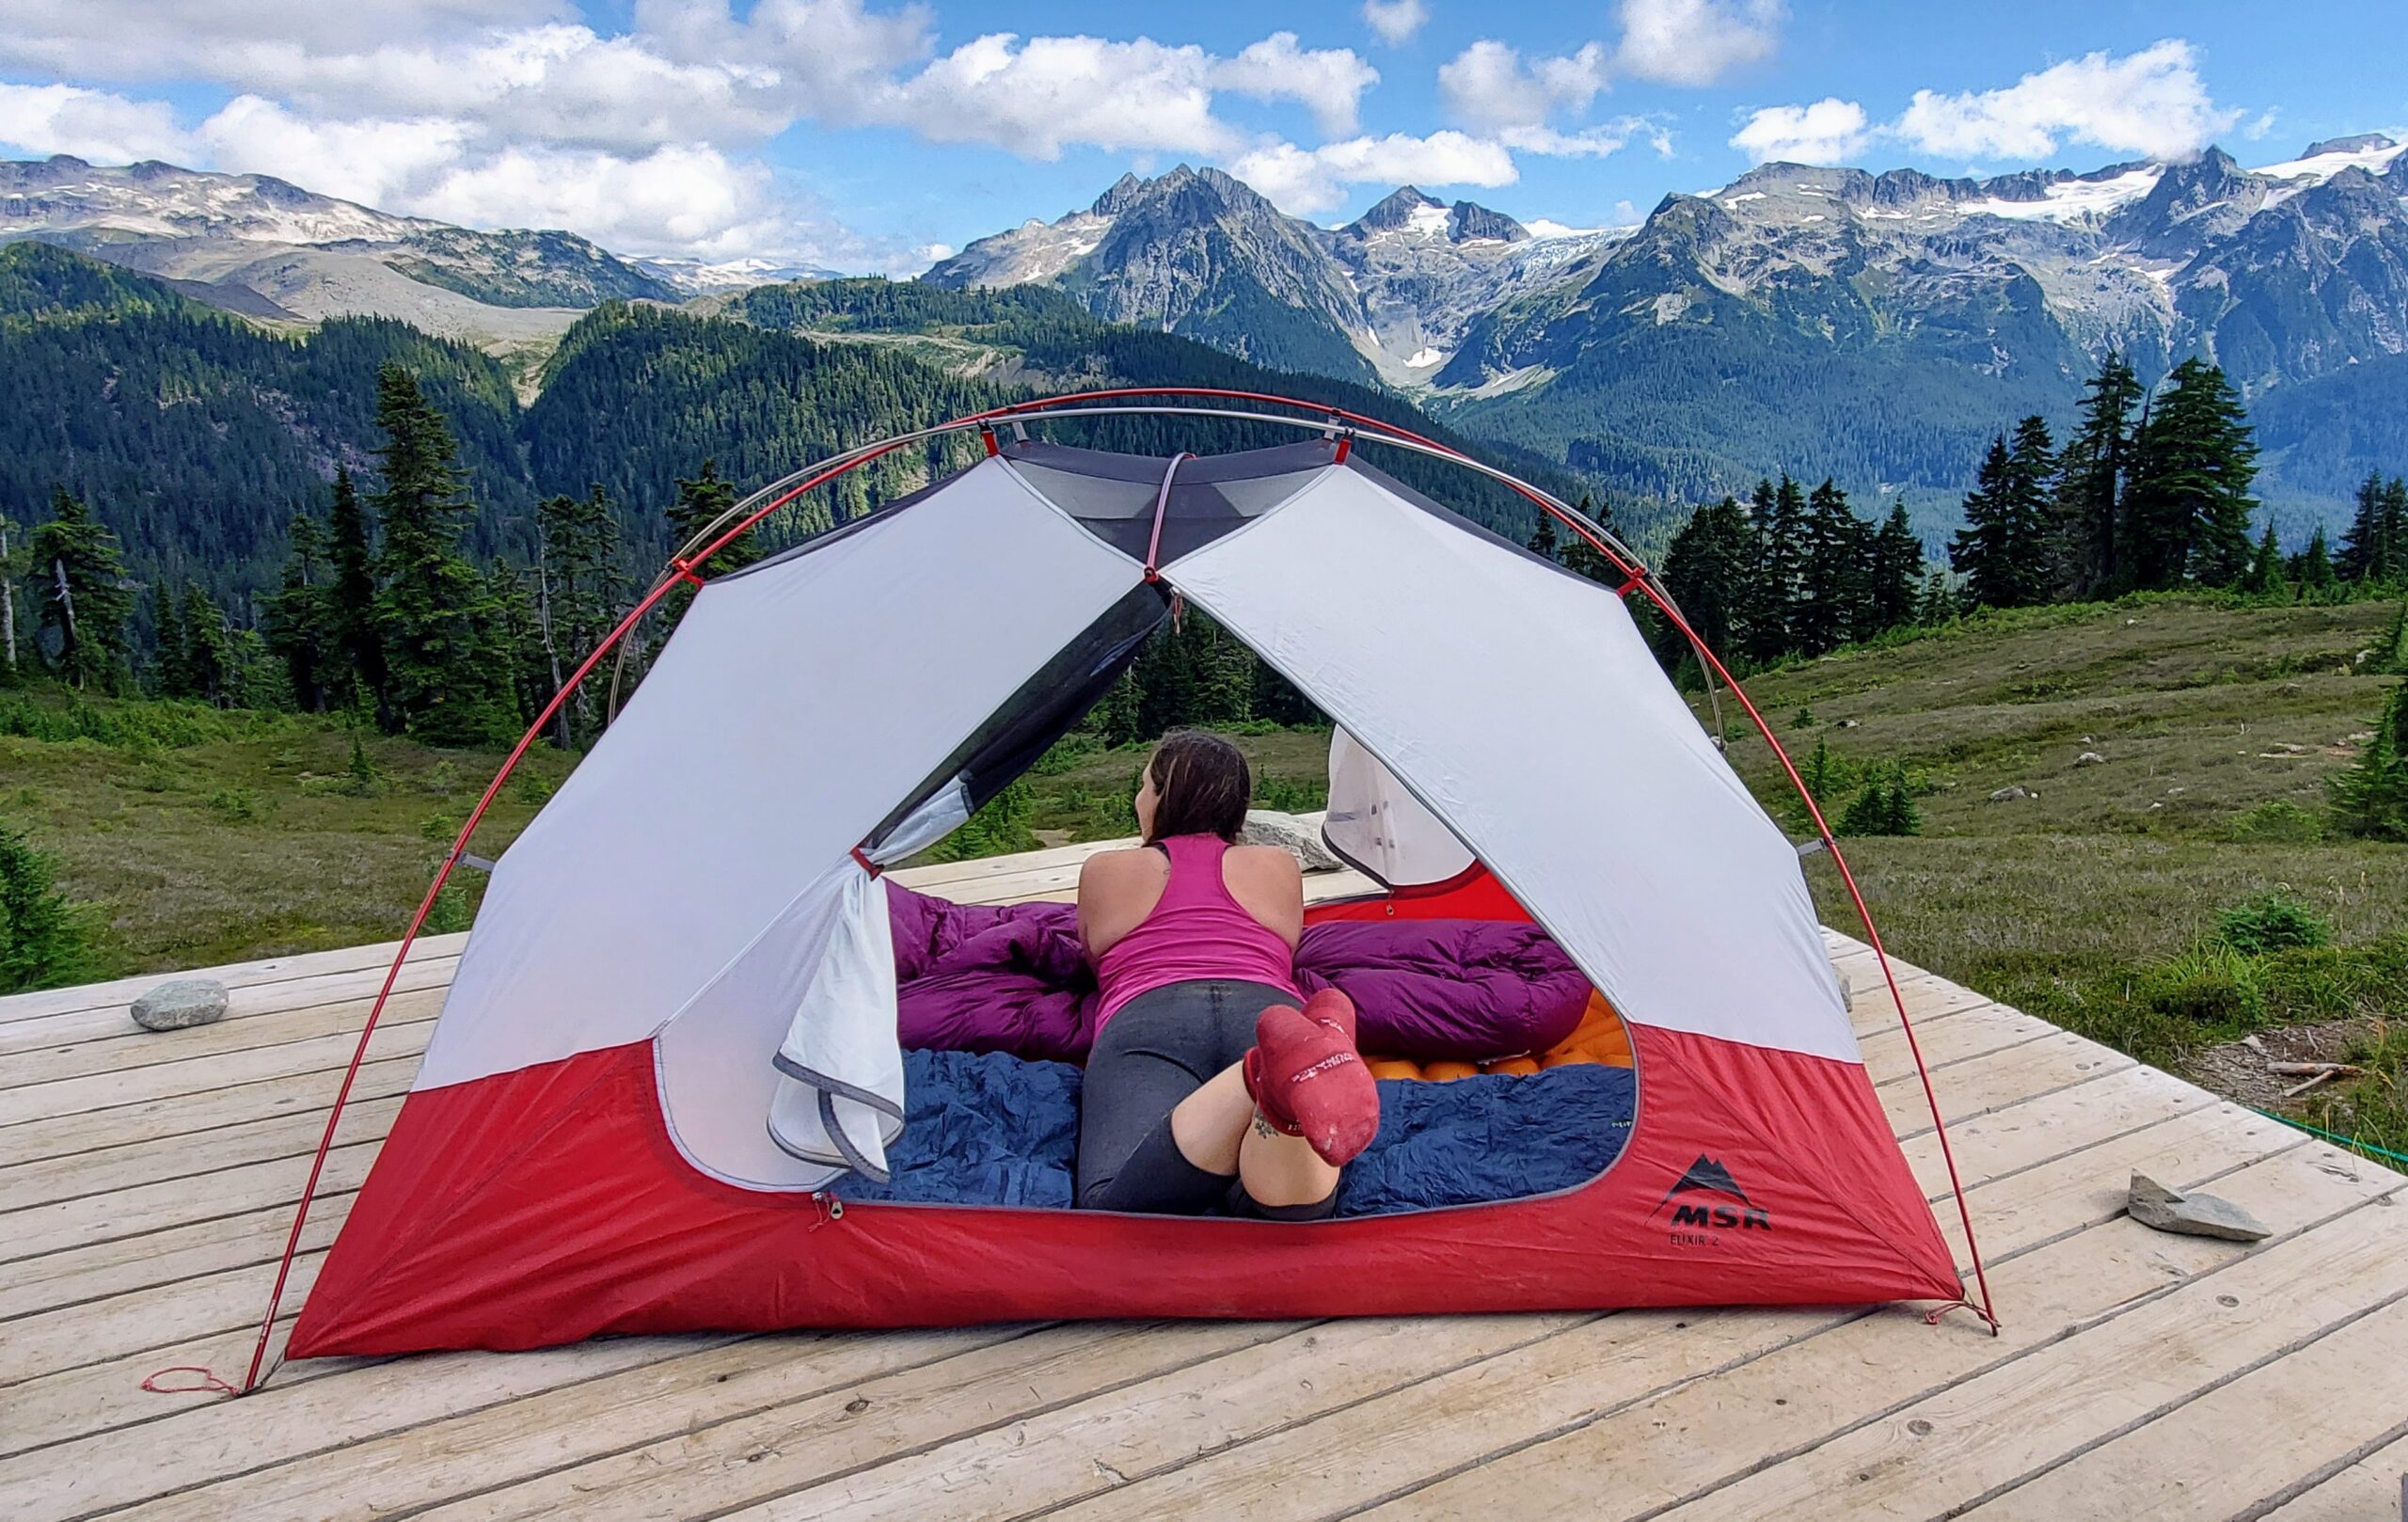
<point x="829" y="1208"/>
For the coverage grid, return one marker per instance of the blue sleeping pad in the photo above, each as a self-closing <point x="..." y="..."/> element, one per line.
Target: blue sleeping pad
<point x="991" y="1129"/>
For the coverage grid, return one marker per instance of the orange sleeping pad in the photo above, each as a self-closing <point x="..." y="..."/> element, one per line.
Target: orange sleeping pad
<point x="1600" y="1038"/>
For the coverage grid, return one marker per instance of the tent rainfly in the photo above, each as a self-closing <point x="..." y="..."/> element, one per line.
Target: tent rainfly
<point x="674" y="1021"/>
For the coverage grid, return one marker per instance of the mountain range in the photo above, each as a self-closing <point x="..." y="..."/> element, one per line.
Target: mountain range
<point x="1877" y="328"/>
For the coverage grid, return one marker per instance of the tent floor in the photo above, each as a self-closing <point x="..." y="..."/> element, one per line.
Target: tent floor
<point x="146" y="1185"/>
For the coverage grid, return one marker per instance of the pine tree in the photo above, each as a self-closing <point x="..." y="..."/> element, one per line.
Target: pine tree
<point x="1778" y="519"/>
<point x="2003" y="549"/>
<point x="1894" y="575"/>
<point x="11" y="568"/>
<point x="1585" y="558"/>
<point x="1939" y="603"/>
<point x="82" y="593"/>
<point x="2366" y="553"/>
<point x="171" y="667"/>
<point x="578" y="589"/>
<point x="445" y="680"/>
<point x="1707" y="572"/>
<point x="2092" y="540"/>
<point x="2371" y="798"/>
<point x="2189" y="502"/>
<point x="700" y="503"/>
<point x="1833" y="575"/>
<point x="208" y="652"/>
<point x="42" y="942"/>
<point x="1543" y="542"/>
<point x="2265" y="577"/>
<point x="300" y="625"/>
<point x="356" y="670"/>
<point x="2313" y="569"/>
<point x="2391" y="655"/>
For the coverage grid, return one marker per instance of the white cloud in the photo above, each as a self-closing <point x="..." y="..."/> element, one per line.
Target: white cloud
<point x="1695" y="41"/>
<point x="2150" y="102"/>
<point x="384" y="164"/>
<point x="1831" y="131"/>
<point x="1328" y="82"/>
<point x="1304" y="181"/>
<point x="1395" y="21"/>
<point x="42" y="119"/>
<point x="1487" y="87"/>
<point x="2265" y="124"/>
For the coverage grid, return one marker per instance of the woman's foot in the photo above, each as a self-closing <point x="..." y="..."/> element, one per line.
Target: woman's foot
<point x="1332" y="1008"/>
<point x="1307" y="1081"/>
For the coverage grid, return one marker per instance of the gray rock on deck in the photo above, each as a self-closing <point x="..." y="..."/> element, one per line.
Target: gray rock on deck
<point x="181" y="1004"/>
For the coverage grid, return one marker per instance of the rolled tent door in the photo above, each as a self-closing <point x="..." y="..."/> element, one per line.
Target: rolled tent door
<point x="1377" y="826"/>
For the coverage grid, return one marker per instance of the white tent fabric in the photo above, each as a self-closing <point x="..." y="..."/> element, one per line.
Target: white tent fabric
<point x="1380" y="828"/>
<point x="1596" y="798"/>
<point x="777" y="729"/>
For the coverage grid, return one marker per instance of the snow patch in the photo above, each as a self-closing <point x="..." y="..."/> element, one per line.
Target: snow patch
<point x="2324" y="166"/>
<point x="1422" y="358"/>
<point x="2071" y="201"/>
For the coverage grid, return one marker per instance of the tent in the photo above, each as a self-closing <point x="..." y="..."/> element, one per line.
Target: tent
<point x="673" y="1024"/>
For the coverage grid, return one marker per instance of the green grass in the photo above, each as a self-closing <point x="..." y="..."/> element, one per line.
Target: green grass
<point x="2102" y="901"/>
<point x="199" y="837"/>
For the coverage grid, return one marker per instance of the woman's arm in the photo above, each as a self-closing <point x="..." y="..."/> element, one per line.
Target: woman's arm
<point x="1117" y="891"/>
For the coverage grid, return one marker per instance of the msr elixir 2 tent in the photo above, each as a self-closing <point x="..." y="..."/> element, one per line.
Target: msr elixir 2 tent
<point x="675" y="1023"/>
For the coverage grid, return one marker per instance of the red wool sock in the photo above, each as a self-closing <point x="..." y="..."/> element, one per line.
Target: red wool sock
<point x="1305" y="1080"/>
<point x="1334" y="1010"/>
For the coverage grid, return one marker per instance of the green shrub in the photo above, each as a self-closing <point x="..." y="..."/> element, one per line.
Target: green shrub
<point x="1064" y="753"/>
<point x="450" y="914"/>
<point x="2271" y="922"/>
<point x="2371" y="798"/>
<point x="2210" y="986"/>
<point x="527" y="786"/>
<point x="44" y="942"/>
<point x="999" y="827"/>
<point x="1885" y="807"/>
<point x="2373" y="1107"/>
<point x="235" y="805"/>
<point x="2277" y="822"/>
<point x="1291" y="795"/>
<point x="438" y="827"/>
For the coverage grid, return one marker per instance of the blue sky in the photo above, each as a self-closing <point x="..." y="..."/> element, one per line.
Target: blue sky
<point x="866" y="135"/>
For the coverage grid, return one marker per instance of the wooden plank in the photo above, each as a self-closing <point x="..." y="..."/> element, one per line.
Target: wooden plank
<point x="161" y="1316"/>
<point x="1452" y="1425"/>
<point x="50" y="1032"/>
<point x="139" y="1211"/>
<point x="283" y="1027"/>
<point x="125" y="1449"/>
<point x="1099" y="1443"/>
<point x="2000" y="1079"/>
<point x="124" y="1265"/>
<point x="1956" y="1445"/>
<point x="2050" y="1124"/>
<point x="186" y="1114"/>
<point x="132" y="1164"/>
<point x="2366" y="1491"/>
<point x="121" y="992"/>
<point x="197" y="1075"/>
<point x="2240" y="1446"/>
<point x="855" y="1400"/>
<point x="1973" y="1033"/>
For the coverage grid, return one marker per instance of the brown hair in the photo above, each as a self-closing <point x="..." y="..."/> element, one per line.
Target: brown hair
<point x="1201" y="786"/>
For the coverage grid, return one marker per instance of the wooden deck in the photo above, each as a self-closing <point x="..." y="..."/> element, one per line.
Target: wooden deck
<point x="147" y="1183"/>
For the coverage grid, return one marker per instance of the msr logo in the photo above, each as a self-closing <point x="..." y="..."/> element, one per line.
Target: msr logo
<point x="1726" y="1208"/>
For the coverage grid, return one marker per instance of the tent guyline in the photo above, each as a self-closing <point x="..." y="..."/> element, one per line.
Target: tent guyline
<point x="1347" y="426"/>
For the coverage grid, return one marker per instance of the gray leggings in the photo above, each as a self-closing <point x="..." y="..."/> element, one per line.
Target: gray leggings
<point x="1156" y="1049"/>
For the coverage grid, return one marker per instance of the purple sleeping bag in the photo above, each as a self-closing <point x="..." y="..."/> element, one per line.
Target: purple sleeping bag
<point x="977" y="977"/>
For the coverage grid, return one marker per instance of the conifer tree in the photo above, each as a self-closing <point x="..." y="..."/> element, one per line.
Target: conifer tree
<point x="1777" y="517"/>
<point x="82" y="593"/>
<point x="208" y="649"/>
<point x="42" y="943"/>
<point x="2313" y="569"/>
<point x="2265" y="577"/>
<point x="1585" y="558"/>
<point x="171" y="667"/>
<point x="1894" y="574"/>
<point x="1832" y="576"/>
<point x="699" y="502"/>
<point x="2371" y="798"/>
<point x="300" y="619"/>
<point x="578" y="589"/>
<point x="1543" y="541"/>
<point x="2366" y="553"/>
<point x="1707" y="571"/>
<point x="355" y="667"/>
<point x="2004" y="549"/>
<point x="2189" y="502"/>
<point x="2093" y="541"/>
<point x="11" y="568"/>
<point x="445" y="681"/>
<point x="1938" y="604"/>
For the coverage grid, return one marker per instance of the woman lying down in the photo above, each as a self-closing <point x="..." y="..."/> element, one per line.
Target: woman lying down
<point x="1207" y="1085"/>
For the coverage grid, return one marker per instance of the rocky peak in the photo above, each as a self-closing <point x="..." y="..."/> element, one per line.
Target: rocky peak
<point x="2364" y="142"/>
<point x="1468" y="221"/>
<point x="1395" y="210"/>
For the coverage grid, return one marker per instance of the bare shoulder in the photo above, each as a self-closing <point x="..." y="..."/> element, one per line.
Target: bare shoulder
<point x="1133" y="865"/>
<point x="1263" y="863"/>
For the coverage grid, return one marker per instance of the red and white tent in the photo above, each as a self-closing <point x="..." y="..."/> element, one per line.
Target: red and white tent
<point x="673" y="1023"/>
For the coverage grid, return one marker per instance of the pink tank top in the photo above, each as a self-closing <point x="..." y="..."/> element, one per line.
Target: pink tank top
<point x="1197" y="931"/>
